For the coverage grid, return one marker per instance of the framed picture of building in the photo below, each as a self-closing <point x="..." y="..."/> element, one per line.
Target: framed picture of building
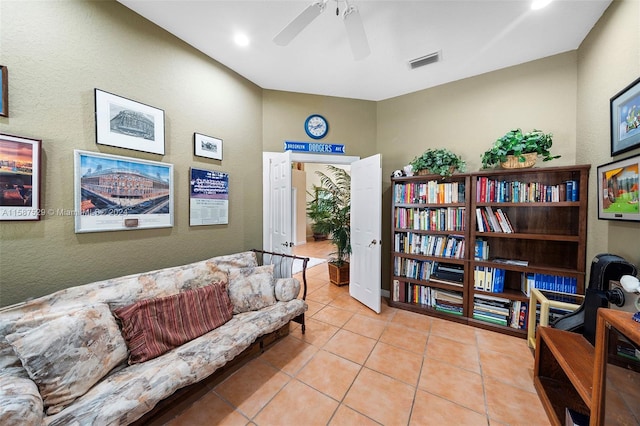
<point x="618" y="192"/>
<point x="128" y="124"/>
<point x="207" y="146"/>
<point x="114" y="193"/>
<point x="19" y="178"/>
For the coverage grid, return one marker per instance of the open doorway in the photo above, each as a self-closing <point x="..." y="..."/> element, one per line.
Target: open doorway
<point x="303" y="179"/>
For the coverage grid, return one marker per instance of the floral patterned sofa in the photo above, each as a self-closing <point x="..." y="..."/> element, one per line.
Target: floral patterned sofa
<point x="108" y="352"/>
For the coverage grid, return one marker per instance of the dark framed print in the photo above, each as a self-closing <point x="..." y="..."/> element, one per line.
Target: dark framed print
<point x="625" y="119"/>
<point x="114" y="193"/>
<point x="128" y="124"/>
<point x="618" y="183"/>
<point x="19" y="178"/>
<point x="4" y="96"/>
<point x="207" y="146"/>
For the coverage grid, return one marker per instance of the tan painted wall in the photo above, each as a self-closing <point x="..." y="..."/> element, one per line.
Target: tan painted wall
<point x="608" y="61"/>
<point x="352" y="122"/>
<point x="467" y="116"/>
<point x="57" y="53"/>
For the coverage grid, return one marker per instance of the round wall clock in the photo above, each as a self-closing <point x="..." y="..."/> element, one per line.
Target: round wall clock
<point x="316" y="126"/>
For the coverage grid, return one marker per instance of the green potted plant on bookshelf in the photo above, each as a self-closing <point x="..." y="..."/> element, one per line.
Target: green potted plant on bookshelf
<point x="519" y="150"/>
<point x="336" y="220"/>
<point x="437" y="161"/>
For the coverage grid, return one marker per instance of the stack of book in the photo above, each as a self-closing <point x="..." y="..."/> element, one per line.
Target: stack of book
<point x="496" y="310"/>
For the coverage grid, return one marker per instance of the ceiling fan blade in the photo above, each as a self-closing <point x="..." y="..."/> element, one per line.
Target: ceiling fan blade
<point x="355" y="33"/>
<point x="294" y="27"/>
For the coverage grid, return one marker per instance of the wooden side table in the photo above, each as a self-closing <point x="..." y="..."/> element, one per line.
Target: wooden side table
<point x="570" y="373"/>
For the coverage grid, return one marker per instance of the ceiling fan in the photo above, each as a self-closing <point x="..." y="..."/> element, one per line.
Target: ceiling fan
<point x="350" y="16"/>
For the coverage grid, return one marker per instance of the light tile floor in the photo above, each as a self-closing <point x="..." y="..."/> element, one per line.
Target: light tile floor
<point x="355" y="367"/>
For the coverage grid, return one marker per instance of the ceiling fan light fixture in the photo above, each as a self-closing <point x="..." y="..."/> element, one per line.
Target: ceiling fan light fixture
<point x="428" y="59"/>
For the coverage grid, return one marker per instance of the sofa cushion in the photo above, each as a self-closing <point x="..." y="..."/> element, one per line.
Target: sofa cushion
<point x="251" y="289"/>
<point x="287" y="289"/>
<point x="66" y="356"/>
<point x="154" y="326"/>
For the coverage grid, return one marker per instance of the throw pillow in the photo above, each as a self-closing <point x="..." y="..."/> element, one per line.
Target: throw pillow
<point x="66" y="356"/>
<point x="252" y="288"/>
<point x="154" y="326"/>
<point x="287" y="289"/>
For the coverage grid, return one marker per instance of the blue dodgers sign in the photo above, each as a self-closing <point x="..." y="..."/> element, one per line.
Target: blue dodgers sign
<point x="314" y="147"/>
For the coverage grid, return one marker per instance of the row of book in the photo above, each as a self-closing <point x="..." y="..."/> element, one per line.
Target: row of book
<point x="411" y="268"/>
<point x="441" y="300"/>
<point x="429" y="245"/>
<point x="428" y="270"/>
<point x="501" y="191"/>
<point x="489" y="279"/>
<point x="489" y="221"/>
<point x="431" y="219"/>
<point x="555" y="283"/>
<point x="432" y="192"/>
<point x="500" y="311"/>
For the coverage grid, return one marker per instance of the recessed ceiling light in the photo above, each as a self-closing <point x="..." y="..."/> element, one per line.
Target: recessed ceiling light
<point x="241" y="40"/>
<point x="539" y="4"/>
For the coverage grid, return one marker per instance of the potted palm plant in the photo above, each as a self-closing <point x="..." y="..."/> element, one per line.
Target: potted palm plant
<point x="335" y="187"/>
<point x="318" y="210"/>
<point x="439" y="161"/>
<point x="518" y="150"/>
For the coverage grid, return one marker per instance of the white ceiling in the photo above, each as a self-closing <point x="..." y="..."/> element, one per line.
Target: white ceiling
<point x="474" y="37"/>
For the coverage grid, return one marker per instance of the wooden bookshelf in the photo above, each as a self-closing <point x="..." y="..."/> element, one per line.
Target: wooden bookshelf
<point x="545" y="211"/>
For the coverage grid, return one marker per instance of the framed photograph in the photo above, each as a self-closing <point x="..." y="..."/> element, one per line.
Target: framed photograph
<point x="128" y="124"/>
<point x="208" y="198"/>
<point x="618" y="183"/>
<point x="207" y="146"/>
<point x="625" y="119"/>
<point x="19" y="178"/>
<point x="114" y="193"/>
<point x="4" y="96"/>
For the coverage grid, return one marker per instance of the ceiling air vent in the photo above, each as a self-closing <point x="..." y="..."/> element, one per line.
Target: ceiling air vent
<point x="424" y="60"/>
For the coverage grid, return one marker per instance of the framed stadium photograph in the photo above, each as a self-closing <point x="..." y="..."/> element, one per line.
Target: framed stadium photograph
<point x="124" y="123"/>
<point x="207" y="146"/>
<point x="114" y="193"/>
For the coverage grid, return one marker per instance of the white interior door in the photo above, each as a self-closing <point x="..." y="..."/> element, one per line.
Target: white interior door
<point x="366" y="229"/>
<point x="277" y="214"/>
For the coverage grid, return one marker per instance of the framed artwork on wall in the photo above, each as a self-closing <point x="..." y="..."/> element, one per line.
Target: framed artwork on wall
<point x="124" y="123"/>
<point x="207" y="146"/>
<point x="114" y="193"/>
<point x="4" y="87"/>
<point x="625" y="119"/>
<point x="208" y="198"/>
<point x="618" y="183"/>
<point x="19" y="178"/>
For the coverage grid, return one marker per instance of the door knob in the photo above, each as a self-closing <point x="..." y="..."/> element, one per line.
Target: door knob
<point x="374" y="242"/>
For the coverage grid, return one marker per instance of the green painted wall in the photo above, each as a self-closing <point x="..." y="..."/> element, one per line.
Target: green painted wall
<point x="57" y="53"/>
<point x="608" y="61"/>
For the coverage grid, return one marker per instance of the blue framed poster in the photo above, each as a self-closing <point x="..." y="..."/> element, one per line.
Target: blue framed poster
<point x="208" y="198"/>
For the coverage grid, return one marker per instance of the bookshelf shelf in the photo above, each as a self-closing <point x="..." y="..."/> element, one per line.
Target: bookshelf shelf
<point x="546" y="227"/>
